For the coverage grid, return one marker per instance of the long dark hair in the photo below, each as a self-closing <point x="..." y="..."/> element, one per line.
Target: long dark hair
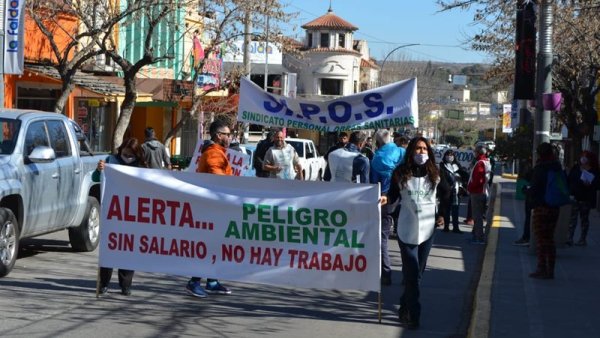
<point x="404" y="172"/>
<point x="133" y="144"/>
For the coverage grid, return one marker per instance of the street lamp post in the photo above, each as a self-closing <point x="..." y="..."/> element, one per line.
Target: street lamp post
<point x="544" y="76"/>
<point x="388" y="55"/>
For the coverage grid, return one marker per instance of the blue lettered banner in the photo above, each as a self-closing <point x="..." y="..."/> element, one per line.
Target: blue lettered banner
<point x="390" y="106"/>
<point x="256" y="230"/>
<point x="14" y="23"/>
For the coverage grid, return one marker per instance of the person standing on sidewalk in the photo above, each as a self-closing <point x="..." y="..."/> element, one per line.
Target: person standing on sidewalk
<point x="544" y="216"/>
<point x="213" y="160"/>
<point x="414" y="182"/>
<point x="155" y="152"/>
<point x="525" y="174"/>
<point x="478" y="192"/>
<point x="584" y="182"/>
<point x="386" y="158"/>
<point x="451" y="177"/>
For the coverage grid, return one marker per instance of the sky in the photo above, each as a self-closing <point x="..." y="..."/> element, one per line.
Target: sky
<point x="387" y="24"/>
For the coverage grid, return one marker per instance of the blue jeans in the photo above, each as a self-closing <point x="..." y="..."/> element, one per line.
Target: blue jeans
<point x="414" y="260"/>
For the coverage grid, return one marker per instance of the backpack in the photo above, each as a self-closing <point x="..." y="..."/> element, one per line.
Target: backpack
<point x="557" y="190"/>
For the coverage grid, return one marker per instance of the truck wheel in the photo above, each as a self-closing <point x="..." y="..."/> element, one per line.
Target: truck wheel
<point x="320" y="176"/>
<point x="86" y="236"/>
<point x="9" y="241"/>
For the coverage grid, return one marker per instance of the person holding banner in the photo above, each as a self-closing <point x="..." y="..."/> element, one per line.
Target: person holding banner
<point x="281" y="160"/>
<point x="452" y="176"/>
<point x="213" y="160"/>
<point x="129" y="153"/>
<point x="386" y="158"/>
<point x="414" y="183"/>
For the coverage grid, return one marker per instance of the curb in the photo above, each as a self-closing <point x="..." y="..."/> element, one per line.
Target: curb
<point x="482" y="304"/>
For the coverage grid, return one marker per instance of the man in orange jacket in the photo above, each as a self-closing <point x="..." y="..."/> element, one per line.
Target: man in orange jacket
<point x="213" y="160"/>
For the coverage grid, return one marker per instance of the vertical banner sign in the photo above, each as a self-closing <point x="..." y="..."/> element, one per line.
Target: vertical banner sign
<point x="525" y="51"/>
<point x="13" y="37"/>
<point x="506" y="118"/>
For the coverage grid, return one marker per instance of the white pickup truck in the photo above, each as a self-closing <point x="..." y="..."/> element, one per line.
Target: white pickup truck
<point x="45" y="182"/>
<point x="313" y="164"/>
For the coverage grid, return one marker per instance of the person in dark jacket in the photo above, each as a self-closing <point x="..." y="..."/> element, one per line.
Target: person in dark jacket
<point x="259" y="154"/>
<point x="155" y="153"/>
<point x="130" y="154"/>
<point x="452" y="175"/>
<point x="525" y="174"/>
<point x="584" y="182"/>
<point x="544" y="216"/>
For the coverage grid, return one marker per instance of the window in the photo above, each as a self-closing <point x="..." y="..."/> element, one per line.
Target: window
<point x="342" y="40"/>
<point x="331" y="87"/>
<point x="309" y="40"/>
<point x="36" y="136"/>
<point x="299" y="146"/>
<point x="10" y="128"/>
<point x="325" y="40"/>
<point x="58" y="138"/>
<point x="310" y="151"/>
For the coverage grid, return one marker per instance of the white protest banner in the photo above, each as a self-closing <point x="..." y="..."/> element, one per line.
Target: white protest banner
<point x="239" y="161"/>
<point x="14" y="23"/>
<point x="288" y="233"/>
<point x="463" y="156"/>
<point x="393" y="105"/>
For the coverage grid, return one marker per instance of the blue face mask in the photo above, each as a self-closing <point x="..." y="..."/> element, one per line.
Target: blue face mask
<point x="420" y="159"/>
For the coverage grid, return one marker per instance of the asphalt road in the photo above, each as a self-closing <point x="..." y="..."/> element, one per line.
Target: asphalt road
<point x="51" y="293"/>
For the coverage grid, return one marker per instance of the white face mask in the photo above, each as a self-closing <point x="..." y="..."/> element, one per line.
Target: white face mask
<point x="449" y="159"/>
<point x="420" y="159"/>
<point x="128" y="160"/>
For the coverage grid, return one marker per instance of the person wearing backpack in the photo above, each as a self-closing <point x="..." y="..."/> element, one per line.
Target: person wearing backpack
<point x="584" y="181"/>
<point x="545" y="215"/>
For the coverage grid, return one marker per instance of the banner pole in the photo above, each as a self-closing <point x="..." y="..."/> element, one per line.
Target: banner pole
<point x="379" y="306"/>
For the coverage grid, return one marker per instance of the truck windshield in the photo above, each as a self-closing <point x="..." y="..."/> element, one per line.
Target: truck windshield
<point x="299" y="146"/>
<point x="10" y="129"/>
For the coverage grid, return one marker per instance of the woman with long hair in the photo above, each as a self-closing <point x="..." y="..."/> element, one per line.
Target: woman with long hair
<point x="129" y="153"/>
<point x="415" y="182"/>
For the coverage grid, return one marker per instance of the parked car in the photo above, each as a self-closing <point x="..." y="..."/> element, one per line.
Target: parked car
<point x="313" y="164"/>
<point x="45" y="182"/>
<point x="488" y="144"/>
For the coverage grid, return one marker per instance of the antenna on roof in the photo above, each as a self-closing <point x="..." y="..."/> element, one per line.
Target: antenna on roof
<point x="330" y="10"/>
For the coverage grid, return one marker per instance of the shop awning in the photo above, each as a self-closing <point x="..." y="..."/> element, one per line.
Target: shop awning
<point x="109" y="86"/>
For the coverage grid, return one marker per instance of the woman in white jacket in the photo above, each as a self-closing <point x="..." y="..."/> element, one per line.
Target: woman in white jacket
<point x="415" y="182"/>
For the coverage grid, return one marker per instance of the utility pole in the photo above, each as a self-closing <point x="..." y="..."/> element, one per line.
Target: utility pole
<point x="541" y="124"/>
<point x="247" y="65"/>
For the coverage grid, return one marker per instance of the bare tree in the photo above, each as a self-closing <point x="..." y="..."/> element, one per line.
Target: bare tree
<point x="224" y="24"/>
<point x="65" y="40"/>
<point x="576" y="52"/>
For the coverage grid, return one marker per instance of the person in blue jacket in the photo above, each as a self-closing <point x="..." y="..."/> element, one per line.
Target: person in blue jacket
<point x="386" y="158"/>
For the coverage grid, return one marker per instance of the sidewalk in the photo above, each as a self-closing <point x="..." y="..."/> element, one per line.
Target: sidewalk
<point x="510" y="304"/>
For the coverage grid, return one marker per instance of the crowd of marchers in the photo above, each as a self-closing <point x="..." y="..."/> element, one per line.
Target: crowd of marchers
<point x="417" y="195"/>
